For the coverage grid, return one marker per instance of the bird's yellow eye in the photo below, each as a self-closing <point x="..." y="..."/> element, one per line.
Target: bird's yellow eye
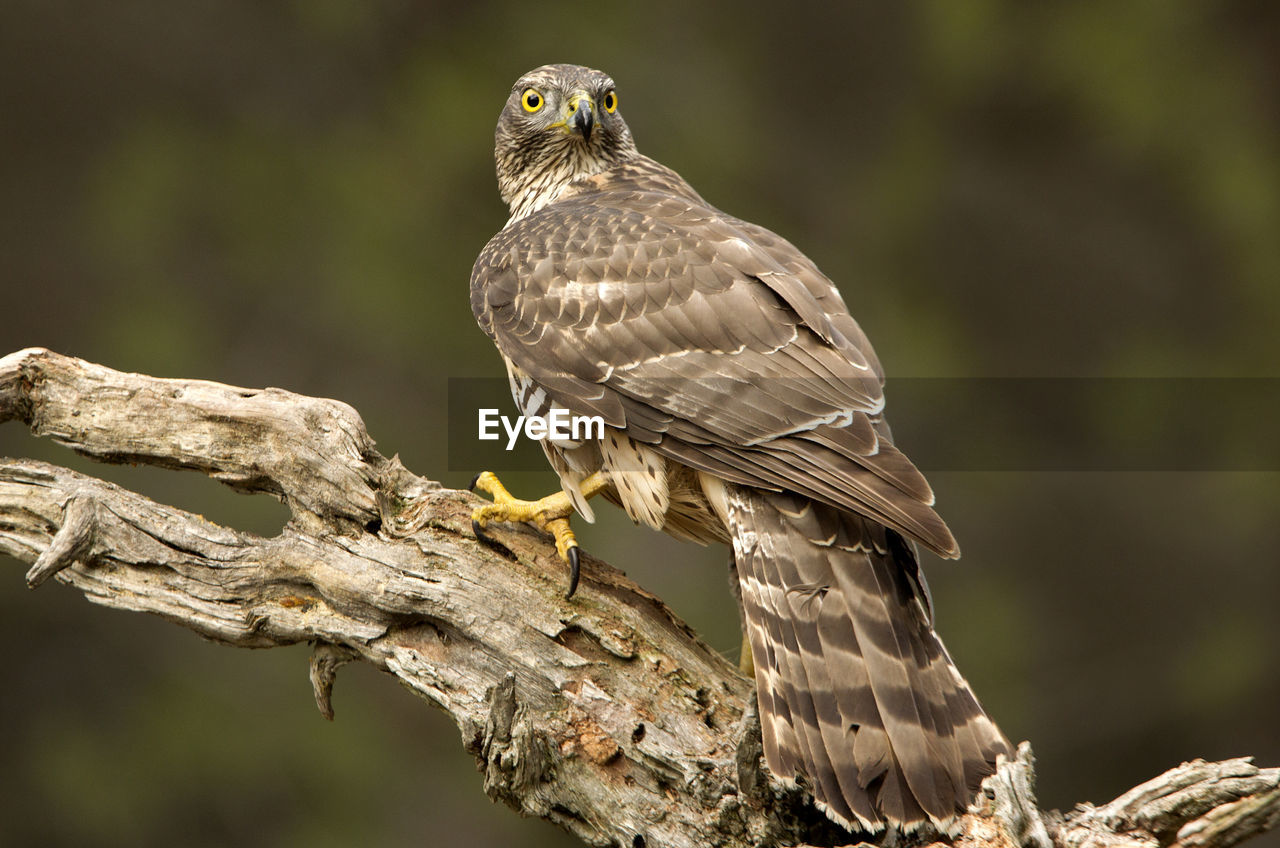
<point x="610" y="102"/>
<point x="531" y="100"/>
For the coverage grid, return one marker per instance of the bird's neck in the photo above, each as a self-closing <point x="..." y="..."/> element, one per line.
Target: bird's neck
<point x="532" y="189"/>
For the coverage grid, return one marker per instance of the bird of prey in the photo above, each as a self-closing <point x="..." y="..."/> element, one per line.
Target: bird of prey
<point x="742" y="404"/>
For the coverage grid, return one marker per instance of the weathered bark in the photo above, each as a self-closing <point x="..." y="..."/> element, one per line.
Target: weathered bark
<point x="604" y="713"/>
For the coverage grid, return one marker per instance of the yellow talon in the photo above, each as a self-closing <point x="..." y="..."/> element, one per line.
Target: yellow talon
<point x="542" y="513"/>
<point x="488" y="482"/>
<point x="549" y="514"/>
<point x="563" y="533"/>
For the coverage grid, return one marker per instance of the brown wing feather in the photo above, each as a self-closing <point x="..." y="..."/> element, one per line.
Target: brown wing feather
<point x="630" y="291"/>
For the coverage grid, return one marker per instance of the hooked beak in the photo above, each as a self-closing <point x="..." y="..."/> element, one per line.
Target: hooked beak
<point x="582" y="115"/>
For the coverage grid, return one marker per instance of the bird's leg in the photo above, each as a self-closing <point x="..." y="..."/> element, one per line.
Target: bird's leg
<point x="746" y="660"/>
<point x="549" y="514"/>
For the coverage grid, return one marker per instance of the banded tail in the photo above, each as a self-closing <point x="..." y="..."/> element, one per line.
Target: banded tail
<point x="856" y="691"/>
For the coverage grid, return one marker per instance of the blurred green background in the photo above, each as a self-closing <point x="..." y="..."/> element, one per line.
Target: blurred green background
<point x="292" y="194"/>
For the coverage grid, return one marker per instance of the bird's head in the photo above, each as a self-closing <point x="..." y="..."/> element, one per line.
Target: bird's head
<point x="560" y="123"/>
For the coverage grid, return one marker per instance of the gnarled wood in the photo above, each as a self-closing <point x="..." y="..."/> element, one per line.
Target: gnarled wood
<point x="604" y="714"/>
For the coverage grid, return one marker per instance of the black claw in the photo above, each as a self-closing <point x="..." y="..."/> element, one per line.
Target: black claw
<point x="471" y="487"/>
<point x="574" y="572"/>
<point x="489" y="542"/>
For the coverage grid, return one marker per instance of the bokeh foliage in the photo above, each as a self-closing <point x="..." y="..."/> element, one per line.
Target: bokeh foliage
<point x="292" y="194"/>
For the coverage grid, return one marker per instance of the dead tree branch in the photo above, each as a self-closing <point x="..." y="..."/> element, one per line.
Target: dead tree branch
<point x="604" y="714"/>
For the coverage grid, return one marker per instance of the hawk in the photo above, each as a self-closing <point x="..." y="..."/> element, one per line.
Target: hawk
<point x="744" y="405"/>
